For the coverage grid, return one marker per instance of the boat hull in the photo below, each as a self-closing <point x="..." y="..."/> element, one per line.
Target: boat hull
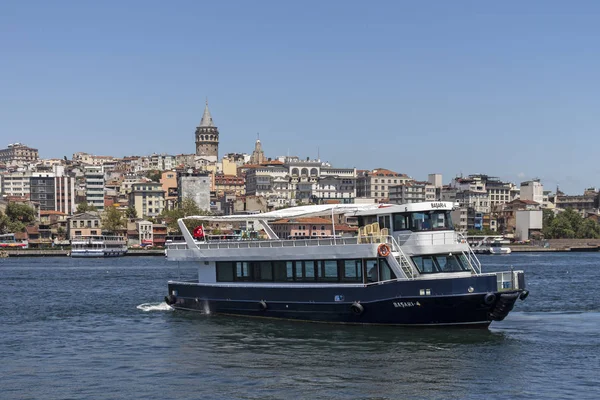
<point x="391" y="303"/>
<point x="97" y="254"/>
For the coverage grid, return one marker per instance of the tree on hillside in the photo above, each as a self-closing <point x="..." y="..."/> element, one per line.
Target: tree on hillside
<point x="154" y="175"/>
<point x="131" y="213"/>
<point x="85" y="207"/>
<point x="186" y="208"/>
<point x="112" y="220"/>
<point x="21" y="212"/>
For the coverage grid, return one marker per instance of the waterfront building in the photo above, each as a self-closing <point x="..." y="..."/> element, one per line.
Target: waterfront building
<point x="139" y="233"/>
<point x="412" y="192"/>
<point x="207" y="138"/>
<point x="94" y="186"/>
<point x="376" y="183"/>
<point x="195" y="186"/>
<point x="507" y="216"/>
<point x="18" y="154"/>
<point x="159" y="235"/>
<point x="85" y="224"/>
<point x="303" y="228"/>
<point x="148" y="199"/>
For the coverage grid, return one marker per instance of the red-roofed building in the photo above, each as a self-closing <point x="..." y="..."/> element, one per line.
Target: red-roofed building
<point x="298" y="228"/>
<point x="376" y="184"/>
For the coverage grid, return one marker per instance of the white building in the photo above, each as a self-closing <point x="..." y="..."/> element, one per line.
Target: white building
<point x="532" y="190"/>
<point x="16" y="183"/>
<point x="525" y="221"/>
<point x="94" y="186"/>
<point x="297" y="181"/>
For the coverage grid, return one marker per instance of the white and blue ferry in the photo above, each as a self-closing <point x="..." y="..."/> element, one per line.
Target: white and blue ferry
<point x="407" y="266"/>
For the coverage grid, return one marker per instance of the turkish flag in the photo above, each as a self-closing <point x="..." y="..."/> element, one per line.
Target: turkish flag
<point x="198" y="232"/>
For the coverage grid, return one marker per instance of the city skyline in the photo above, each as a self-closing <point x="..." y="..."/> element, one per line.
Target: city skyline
<point x="506" y="90"/>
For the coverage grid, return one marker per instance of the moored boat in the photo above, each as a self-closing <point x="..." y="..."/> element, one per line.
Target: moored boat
<point x="407" y="266"/>
<point x="98" y="246"/>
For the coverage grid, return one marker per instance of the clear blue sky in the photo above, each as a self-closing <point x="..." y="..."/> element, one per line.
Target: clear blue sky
<point x="509" y="89"/>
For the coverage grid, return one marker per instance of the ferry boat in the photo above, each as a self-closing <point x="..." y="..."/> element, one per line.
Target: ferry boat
<point x="98" y="246"/>
<point x="407" y="266"/>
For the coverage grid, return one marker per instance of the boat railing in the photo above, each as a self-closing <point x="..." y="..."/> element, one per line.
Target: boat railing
<point x="470" y="256"/>
<point x="405" y="265"/>
<point x="269" y="243"/>
<point x="428" y="238"/>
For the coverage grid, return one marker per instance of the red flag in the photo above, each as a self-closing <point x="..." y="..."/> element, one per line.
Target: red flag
<point x="198" y="232"/>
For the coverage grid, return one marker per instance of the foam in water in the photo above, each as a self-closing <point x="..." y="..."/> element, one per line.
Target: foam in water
<point x="155" y="307"/>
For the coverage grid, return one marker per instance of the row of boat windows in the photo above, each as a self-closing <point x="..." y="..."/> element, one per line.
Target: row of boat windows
<point x="413" y="221"/>
<point x="347" y="271"/>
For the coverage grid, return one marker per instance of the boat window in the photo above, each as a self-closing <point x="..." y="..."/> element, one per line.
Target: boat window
<point x="384" y="222"/>
<point x="266" y="271"/>
<point x="423" y="221"/>
<point x="328" y="271"/>
<point x="425" y="264"/>
<point x="224" y="271"/>
<point x="309" y="270"/>
<point x="400" y="222"/>
<point x="385" y="272"/>
<point x="372" y="270"/>
<point x="289" y="271"/>
<point x="353" y="270"/>
<point x="441" y="263"/>
<point x="280" y="271"/>
<point x="242" y="271"/>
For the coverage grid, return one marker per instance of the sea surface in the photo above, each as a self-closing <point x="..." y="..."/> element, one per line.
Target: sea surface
<point x="98" y="329"/>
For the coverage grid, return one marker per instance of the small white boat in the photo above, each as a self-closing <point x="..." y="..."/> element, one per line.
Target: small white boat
<point x="497" y="248"/>
<point x="98" y="246"/>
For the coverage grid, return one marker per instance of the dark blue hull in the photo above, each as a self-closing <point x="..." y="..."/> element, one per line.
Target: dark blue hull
<point x="463" y="301"/>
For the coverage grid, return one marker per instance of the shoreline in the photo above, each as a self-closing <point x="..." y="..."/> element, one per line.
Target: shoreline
<point x="65" y="253"/>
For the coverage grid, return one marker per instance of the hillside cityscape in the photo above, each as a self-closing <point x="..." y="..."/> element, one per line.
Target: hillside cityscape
<point x="47" y="201"/>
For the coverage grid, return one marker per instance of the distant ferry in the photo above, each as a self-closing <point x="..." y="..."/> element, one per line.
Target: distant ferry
<point x="408" y="266"/>
<point x="98" y="246"/>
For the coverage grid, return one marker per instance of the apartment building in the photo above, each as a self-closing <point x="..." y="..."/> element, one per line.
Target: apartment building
<point x="412" y="192"/>
<point x="94" y="186"/>
<point x="18" y="154"/>
<point x="148" y="199"/>
<point x="376" y="183"/>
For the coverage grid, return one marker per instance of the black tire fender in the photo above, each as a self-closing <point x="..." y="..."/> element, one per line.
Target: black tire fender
<point x="357" y="308"/>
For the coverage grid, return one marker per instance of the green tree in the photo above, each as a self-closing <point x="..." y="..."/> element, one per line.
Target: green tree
<point x="561" y="228"/>
<point x="186" y="208"/>
<point x="85" y="207"/>
<point x="548" y="217"/>
<point x="4" y="223"/>
<point x="112" y="220"/>
<point x="154" y="175"/>
<point x="589" y="229"/>
<point x="573" y="217"/>
<point x="131" y="213"/>
<point x="22" y="213"/>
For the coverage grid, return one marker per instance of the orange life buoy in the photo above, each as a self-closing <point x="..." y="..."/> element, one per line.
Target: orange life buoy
<point x="383" y="250"/>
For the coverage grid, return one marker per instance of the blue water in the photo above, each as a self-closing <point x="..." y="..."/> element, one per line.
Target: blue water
<point x="97" y="329"/>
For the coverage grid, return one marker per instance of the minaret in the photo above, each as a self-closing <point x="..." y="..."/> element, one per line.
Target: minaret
<point x="207" y="137"/>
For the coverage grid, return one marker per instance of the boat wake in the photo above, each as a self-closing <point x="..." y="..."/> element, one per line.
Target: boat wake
<point x="155" y="307"/>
